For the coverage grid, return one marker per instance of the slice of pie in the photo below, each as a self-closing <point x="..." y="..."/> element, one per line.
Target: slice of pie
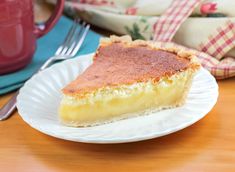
<point x="127" y="78"/>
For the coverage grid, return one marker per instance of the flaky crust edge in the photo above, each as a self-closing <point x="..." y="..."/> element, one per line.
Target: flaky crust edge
<point x="170" y="47"/>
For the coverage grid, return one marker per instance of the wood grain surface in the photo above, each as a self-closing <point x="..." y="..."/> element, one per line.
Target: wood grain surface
<point x="208" y="145"/>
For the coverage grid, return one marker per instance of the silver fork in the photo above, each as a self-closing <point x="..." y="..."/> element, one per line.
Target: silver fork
<point x="67" y="50"/>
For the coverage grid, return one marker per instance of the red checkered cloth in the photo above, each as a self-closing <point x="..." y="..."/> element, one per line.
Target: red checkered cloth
<point x="168" y="24"/>
<point x="212" y="51"/>
<point x="220" y="42"/>
<point x="218" y="45"/>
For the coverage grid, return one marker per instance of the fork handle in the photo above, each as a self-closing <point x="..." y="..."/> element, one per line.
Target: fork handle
<point x="7" y="110"/>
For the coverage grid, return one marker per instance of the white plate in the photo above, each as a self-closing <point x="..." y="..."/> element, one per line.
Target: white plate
<point x="39" y="100"/>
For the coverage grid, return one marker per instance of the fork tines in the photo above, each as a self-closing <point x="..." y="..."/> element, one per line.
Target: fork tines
<point x="74" y="38"/>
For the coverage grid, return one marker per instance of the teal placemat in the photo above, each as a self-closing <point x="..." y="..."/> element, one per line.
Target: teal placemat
<point x="46" y="47"/>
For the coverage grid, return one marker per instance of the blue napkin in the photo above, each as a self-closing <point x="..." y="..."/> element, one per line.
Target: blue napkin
<point x="46" y="47"/>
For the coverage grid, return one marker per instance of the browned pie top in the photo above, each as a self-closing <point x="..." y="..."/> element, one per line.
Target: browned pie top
<point x="117" y="64"/>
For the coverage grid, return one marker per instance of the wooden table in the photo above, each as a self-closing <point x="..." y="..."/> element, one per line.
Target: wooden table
<point x="208" y="145"/>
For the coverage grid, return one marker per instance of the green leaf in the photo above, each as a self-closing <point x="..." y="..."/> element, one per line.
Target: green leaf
<point x="142" y="19"/>
<point x="145" y="28"/>
<point x="216" y="15"/>
<point x="135" y="28"/>
<point x="129" y="31"/>
<point x="135" y="32"/>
